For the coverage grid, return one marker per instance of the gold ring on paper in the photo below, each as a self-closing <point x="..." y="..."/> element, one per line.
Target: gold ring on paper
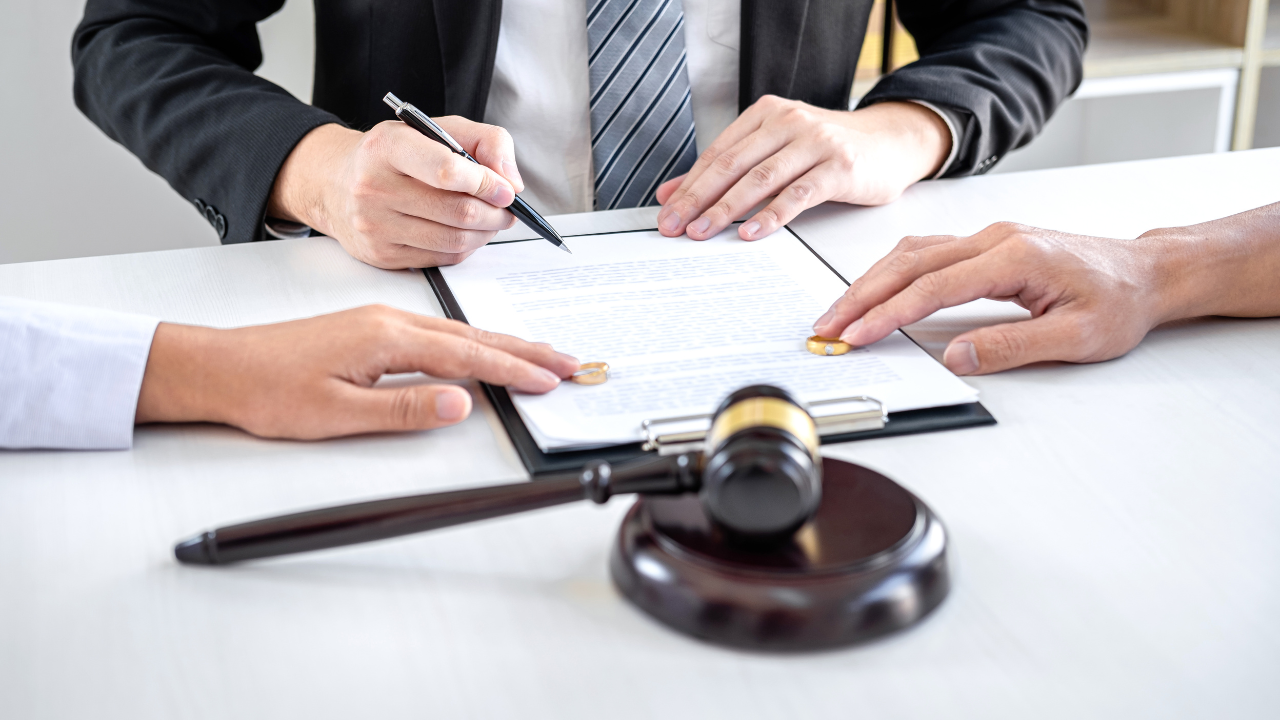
<point x="592" y="373"/>
<point x="827" y="346"/>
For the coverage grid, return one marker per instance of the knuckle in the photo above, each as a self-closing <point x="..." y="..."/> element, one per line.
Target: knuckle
<point x="1004" y="345"/>
<point x="930" y="285"/>
<point x="910" y="243"/>
<point x="771" y="102"/>
<point x="797" y="114"/>
<point x="845" y="158"/>
<point x="763" y="175"/>
<point x="721" y="209"/>
<point x="446" y="175"/>
<point x="771" y="214"/>
<point x="803" y="191"/>
<point x="465" y="212"/>
<point x="691" y="199"/>
<point x="727" y="163"/>
<point x="406" y="408"/>
<point x="364" y="225"/>
<point x="375" y="141"/>
<point x="452" y="241"/>
<point x="903" y="263"/>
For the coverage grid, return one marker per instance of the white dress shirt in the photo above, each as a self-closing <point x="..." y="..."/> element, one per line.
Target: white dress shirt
<point x="541" y="92"/>
<point x="70" y="376"/>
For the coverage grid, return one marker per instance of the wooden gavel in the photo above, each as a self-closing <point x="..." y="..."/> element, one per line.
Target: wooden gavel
<point x="759" y="479"/>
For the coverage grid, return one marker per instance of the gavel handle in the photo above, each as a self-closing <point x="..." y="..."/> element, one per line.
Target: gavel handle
<point x="382" y="519"/>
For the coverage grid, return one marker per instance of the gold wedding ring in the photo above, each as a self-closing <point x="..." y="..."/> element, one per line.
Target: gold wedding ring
<point x="827" y="346"/>
<point x="592" y="373"/>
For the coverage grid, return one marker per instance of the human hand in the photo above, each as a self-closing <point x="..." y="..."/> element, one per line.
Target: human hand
<point x="805" y="156"/>
<point x="1090" y="298"/>
<point x="311" y="379"/>
<point x="397" y="199"/>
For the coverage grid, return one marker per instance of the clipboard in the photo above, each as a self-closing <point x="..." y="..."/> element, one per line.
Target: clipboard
<point x="539" y="463"/>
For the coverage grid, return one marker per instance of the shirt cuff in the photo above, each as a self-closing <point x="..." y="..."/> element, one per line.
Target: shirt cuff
<point x="70" y="376"/>
<point x="285" y="230"/>
<point x="955" y="137"/>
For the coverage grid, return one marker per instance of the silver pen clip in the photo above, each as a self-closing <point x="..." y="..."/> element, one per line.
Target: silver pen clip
<point x="400" y="106"/>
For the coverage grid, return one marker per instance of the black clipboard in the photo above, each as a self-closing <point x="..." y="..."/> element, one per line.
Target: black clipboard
<point x="540" y="463"/>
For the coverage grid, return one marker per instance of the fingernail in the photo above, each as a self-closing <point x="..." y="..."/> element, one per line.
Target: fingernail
<point x="670" y="223"/>
<point x="512" y="173"/>
<point x="451" y="405"/>
<point x="700" y="225"/>
<point x="568" y="359"/>
<point x="549" y="379"/>
<point x="826" y="318"/>
<point x="751" y="228"/>
<point x="502" y="195"/>
<point x="961" y="357"/>
<point x="851" y="332"/>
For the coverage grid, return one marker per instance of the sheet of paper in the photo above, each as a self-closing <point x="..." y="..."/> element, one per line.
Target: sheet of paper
<point x="681" y="323"/>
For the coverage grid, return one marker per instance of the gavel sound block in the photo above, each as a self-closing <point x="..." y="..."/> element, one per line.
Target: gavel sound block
<point x="872" y="560"/>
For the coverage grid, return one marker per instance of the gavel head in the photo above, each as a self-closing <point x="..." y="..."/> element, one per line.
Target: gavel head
<point x="761" y="474"/>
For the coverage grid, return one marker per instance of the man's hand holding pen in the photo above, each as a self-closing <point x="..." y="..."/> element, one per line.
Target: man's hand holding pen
<point x="397" y="199"/>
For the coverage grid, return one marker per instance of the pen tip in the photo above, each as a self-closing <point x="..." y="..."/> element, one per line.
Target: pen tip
<point x="565" y="248"/>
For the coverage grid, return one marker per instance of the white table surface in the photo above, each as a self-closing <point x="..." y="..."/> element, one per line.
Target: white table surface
<point x="1115" y="540"/>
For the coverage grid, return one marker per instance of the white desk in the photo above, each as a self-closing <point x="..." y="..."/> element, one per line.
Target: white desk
<point x="1115" y="539"/>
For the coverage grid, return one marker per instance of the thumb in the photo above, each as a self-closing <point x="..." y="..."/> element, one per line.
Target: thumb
<point x="491" y="146"/>
<point x="414" y="407"/>
<point x="1000" y="347"/>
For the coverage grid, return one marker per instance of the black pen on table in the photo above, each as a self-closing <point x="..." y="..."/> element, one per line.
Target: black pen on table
<point x="418" y="120"/>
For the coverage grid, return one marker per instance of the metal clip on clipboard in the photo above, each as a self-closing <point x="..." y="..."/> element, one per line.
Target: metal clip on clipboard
<point x="674" y="443"/>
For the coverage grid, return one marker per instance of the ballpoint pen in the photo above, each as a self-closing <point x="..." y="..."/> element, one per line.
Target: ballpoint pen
<point x="418" y="120"/>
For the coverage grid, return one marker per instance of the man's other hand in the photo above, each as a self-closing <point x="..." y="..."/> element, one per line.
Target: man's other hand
<point x="804" y="156"/>
<point x="311" y="379"/>
<point x="395" y="198"/>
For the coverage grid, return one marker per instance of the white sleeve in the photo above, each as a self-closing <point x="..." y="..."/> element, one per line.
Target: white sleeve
<point x="70" y="376"/>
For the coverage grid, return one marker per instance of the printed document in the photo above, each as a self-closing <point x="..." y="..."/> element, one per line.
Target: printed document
<point x="681" y="324"/>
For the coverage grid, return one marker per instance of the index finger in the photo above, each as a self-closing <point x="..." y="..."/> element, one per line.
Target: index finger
<point x="445" y="355"/>
<point x="983" y="276"/>
<point x="911" y="258"/>
<point x="423" y="159"/>
<point x="540" y="354"/>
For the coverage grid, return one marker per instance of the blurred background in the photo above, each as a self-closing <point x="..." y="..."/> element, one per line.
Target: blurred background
<point x="1162" y="78"/>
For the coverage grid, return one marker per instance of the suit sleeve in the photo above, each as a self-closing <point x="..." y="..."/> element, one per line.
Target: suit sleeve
<point x="998" y="68"/>
<point x="172" y="81"/>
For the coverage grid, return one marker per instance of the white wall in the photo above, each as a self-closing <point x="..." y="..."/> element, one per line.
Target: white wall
<point x="1267" y="133"/>
<point x="65" y="189"/>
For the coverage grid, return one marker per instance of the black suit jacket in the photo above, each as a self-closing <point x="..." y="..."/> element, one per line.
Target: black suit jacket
<point x="172" y="79"/>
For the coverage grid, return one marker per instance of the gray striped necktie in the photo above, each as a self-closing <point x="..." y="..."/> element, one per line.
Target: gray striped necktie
<point x="641" y="121"/>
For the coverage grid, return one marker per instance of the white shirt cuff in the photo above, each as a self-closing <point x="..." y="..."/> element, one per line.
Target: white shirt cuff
<point x="70" y="376"/>
<point x="955" y="137"/>
<point x="285" y="230"/>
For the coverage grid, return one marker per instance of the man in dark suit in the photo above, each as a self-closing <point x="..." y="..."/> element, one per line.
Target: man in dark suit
<point x="609" y="117"/>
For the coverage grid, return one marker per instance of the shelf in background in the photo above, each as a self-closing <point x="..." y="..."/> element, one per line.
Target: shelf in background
<point x="1153" y="44"/>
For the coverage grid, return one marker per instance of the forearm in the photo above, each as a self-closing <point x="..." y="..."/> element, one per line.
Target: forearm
<point x="184" y="376"/>
<point x="1003" y="66"/>
<point x="1227" y="267"/>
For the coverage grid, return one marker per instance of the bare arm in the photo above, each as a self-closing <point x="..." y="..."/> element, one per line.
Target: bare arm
<point x="313" y="378"/>
<point x="1090" y="298"/>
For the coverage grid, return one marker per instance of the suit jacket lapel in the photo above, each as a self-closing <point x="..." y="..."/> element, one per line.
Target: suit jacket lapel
<point x="468" y="35"/>
<point x="770" y="48"/>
